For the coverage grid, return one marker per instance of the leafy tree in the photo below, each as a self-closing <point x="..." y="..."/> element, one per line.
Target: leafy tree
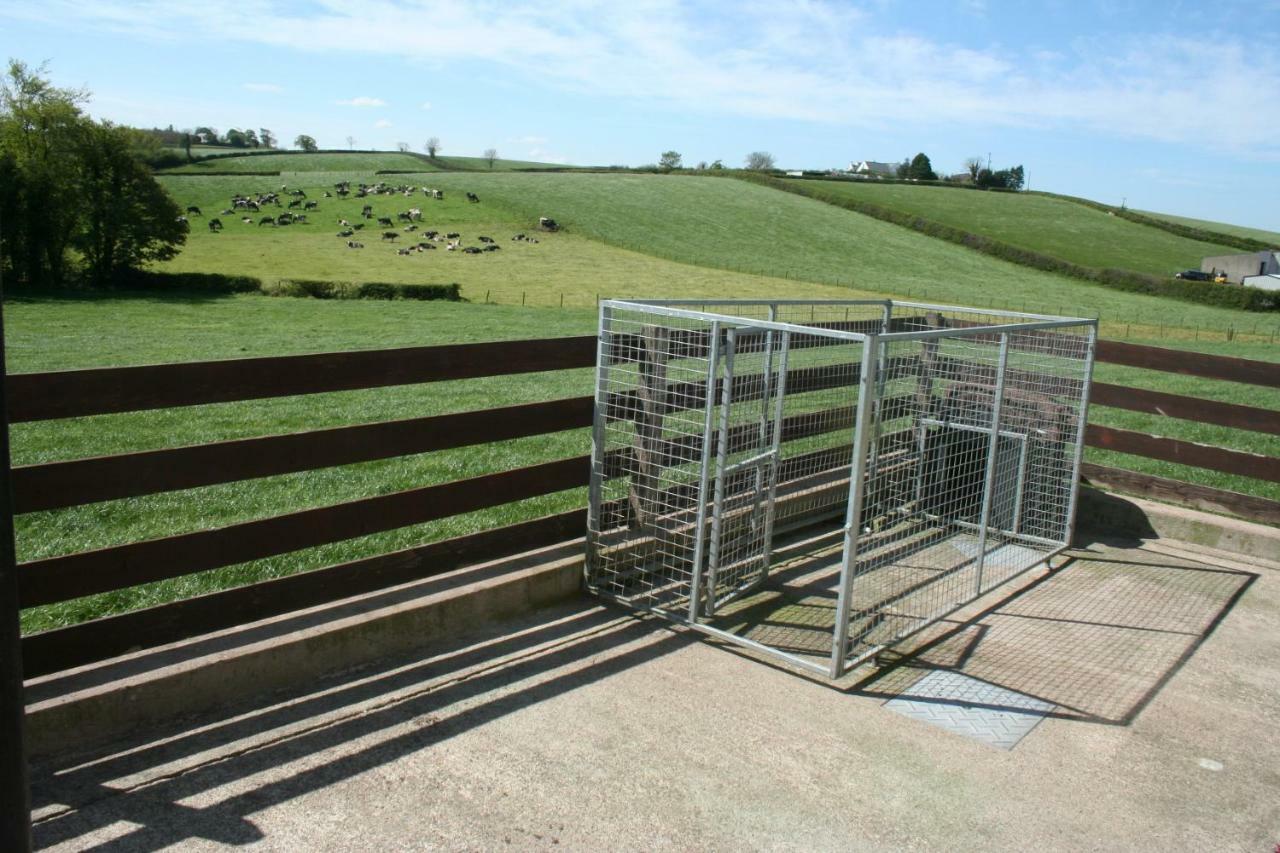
<point x="129" y="220"/>
<point x="402" y="147"/>
<point x="207" y="135"/>
<point x="669" y="160"/>
<point x="186" y="145"/>
<point x="351" y="142"/>
<point x="306" y="143"/>
<point x="432" y="147"/>
<point x="702" y="166"/>
<point x="716" y="164"/>
<point x="67" y="182"/>
<point x="40" y="128"/>
<point x="921" y="169"/>
<point x="491" y="154"/>
<point x="251" y="138"/>
<point x="236" y="139"/>
<point x="973" y="165"/>
<point x="760" y="161"/>
<point x="903" y="170"/>
<point x="268" y="138"/>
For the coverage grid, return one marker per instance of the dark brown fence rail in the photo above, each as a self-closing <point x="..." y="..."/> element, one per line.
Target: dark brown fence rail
<point x="43" y="396"/>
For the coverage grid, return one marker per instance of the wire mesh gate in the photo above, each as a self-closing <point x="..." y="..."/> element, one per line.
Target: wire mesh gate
<point x="940" y="447"/>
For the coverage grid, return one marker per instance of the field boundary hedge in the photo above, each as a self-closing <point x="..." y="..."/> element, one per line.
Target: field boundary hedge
<point x="217" y="283"/>
<point x="1205" y="293"/>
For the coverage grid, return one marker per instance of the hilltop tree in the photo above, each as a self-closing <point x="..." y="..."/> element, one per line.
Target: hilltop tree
<point x="268" y="138"/>
<point x="251" y="138"/>
<point x="306" y="143"/>
<point x="236" y="139"/>
<point x="669" y="160"/>
<point x="490" y="154"/>
<point x="402" y="147"/>
<point x="716" y="164"/>
<point x="186" y="145"/>
<point x="432" y="147"/>
<point x="207" y="135"/>
<point x="973" y="165"/>
<point x="921" y="169"/>
<point x="760" y="161"/>
<point x="351" y="142"/>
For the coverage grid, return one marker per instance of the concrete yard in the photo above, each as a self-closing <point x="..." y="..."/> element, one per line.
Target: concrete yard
<point x="1136" y="690"/>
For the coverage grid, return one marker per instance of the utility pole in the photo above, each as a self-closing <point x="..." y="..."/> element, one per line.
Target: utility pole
<point x="15" y="790"/>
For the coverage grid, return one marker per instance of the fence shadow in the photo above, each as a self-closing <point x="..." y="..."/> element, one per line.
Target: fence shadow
<point x="1098" y="639"/>
<point x="393" y="710"/>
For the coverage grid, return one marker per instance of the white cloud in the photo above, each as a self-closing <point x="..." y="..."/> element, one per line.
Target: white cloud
<point x="270" y="88"/>
<point x="362" y="101"/>
<point x="426" y="105"/>
<point x="382" y="122"/>
<point x="807" y="60"/>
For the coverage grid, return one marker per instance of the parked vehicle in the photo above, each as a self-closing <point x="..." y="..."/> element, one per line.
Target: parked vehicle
<point x="1194" y="275"/>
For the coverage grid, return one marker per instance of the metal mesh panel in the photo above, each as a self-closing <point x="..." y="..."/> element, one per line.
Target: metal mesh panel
<point x="946" y="439"/>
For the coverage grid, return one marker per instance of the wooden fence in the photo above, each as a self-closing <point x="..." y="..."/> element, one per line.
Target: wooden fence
<point x="54" y="485"/>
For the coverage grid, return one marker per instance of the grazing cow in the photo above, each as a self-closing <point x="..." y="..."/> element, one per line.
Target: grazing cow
<point x="431" y="234"/>
<point x="368" y="208"/>
<point x="548" y="224"/>
<point x="346" y="232"/>
<point x="451" y="245"/>
<point x="411" y="228"/>
<point x="404" y="251"/>
<point x="352" y="244"/>
<point x="297" y="202"/>
<point x="531" y="239"/>
<point x="492" y="247"/>
<point x="181" y="220"/>
<point x="266" y="220"/>
<point x="311" y="205"/>
<point x="471" y="250"/>
<point x="300" y="219"/>
<point x="518" y="237"/>
<point x="384" y="221"/>
<point x="390" y="235"/>
<point x="404" y="217"/>
<point x="472" y="197"/>
<point x="344" y="223"/>
<point x="284" y="219"/>
<point x="485" y="239"/>
<point x="358" y="226"/>
<point x="194" y="211"/>
<point x="215" y="224"/>
<point x="423" y="246"/>
<point x="438" y="195"/>
<point x="227" y="212"/>
<point x="247" y="220"/>
<point x="453" y="235"/>
<point x="415" y="213"/>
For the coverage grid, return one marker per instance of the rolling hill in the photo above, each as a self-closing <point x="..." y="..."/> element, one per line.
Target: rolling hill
<point x="365" y="162"/>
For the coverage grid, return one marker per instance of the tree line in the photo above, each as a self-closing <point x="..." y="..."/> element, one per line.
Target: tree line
<point x="77" y="198"/>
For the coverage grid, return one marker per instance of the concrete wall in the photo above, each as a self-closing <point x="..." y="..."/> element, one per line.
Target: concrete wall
<point x="1238" y="266"/>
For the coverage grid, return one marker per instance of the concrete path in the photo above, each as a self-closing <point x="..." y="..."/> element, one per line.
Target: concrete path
<point x="1153" y="676"/>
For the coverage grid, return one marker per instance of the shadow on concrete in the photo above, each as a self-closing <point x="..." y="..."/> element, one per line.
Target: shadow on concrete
<point x="1098" y="638"/>
<point x="150" y="780"/>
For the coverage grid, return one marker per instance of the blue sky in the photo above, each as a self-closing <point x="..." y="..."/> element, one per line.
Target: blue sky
<point x="1170" y="106"/>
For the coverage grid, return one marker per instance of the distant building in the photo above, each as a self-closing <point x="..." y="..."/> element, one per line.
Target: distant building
<point x="1263" y="282"/>
<point x="872" y="169"/>
<point x="1238" y="267"/>
<point x="795" y="173"/>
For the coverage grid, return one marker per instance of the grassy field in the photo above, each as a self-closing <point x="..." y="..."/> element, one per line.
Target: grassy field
<point x="625" y="235"/>
<point x="69" y="332"/>
<point x="1051" y="226"/>
<point x="365" y="162"/>
<point x="775" y="240"/>
<point x="1272" y="237"/>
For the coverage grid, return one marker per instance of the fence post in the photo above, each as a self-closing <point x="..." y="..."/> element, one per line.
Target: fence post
<point x="15" y="791"/>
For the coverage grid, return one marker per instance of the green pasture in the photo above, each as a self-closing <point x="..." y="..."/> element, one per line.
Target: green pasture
<point x="1272" y="237"/>
<point x="365" y="162"/>
<point x="48" y="333"/>
<point x="736" y="238"/>
<point x="1042" y="224"/>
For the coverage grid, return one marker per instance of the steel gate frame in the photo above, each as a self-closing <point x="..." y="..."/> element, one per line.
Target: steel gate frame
<point x="722" y="333"/>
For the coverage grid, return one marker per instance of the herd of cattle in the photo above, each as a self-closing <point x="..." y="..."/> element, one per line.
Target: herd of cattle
<point x="245" y="204"/>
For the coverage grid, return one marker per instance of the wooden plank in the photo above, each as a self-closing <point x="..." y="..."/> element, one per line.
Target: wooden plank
<point x="81" y="481"/>
<point x="1248" y="507"/>
<point x="88" y="572"/>
<point x="76" y="393"/>
<point x="1185" y="408"/>
<point x="1190" y="363"/>
<point x="1184" y="452"/>
<point x="100" y="639"/>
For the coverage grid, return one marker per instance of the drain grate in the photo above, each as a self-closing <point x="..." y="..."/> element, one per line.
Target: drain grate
<point x="985" y="712"/>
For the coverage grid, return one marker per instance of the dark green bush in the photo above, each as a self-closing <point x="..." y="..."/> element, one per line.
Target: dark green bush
<point x="317" y="289"/>
<point x="206" y="282"/>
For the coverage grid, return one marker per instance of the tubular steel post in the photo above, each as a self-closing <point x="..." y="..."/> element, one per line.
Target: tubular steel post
<point x="708" y="405"/>
<point x="988" y="481"/>
<point x="857" y="491"/>
<point x="598" y="449"/>
<point x="15" y="790"/>
<point x="722" y="460"/>
<point x="780" y="396"/>
<point x="1074" y="485"/>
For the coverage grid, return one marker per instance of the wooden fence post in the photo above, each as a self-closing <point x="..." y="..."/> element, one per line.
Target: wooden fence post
<point x="15" y="791"/>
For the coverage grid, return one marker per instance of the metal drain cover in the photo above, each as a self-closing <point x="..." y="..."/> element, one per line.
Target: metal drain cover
<point x="985" y="712"/>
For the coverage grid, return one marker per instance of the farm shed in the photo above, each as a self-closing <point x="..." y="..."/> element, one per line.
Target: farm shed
<point x="1263" y="282"/>
<point x="1238" y="267"/>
